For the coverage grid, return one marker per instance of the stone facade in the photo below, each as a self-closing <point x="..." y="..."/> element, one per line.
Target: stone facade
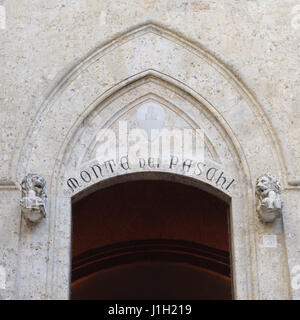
<point x="71" y="68"/>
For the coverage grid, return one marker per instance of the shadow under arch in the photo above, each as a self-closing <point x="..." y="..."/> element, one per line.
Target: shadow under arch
<point x="162" y="230"/>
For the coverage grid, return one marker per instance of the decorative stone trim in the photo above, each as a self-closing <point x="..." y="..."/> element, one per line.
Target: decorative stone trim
<point x="8" y="185"/>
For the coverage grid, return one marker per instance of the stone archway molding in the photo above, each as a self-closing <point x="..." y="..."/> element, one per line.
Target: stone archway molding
<point x="61" y="127"/>
<point x="63" y="82"/>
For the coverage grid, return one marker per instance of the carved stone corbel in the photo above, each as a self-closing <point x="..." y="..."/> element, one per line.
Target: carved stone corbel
<point x="34" y="197"/>
<point x="268" y="197"/>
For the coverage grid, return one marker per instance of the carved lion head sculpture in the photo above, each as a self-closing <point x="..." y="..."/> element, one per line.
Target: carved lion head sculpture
<point x="267" y="191"/>
<point x="267" y="182"/>
<point x="34" y="197"/>
<point x="36" y="183"/>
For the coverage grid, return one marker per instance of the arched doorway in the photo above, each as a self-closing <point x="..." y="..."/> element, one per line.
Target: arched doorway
<point x="197" y="91"/>
<point x="151" y="240"/>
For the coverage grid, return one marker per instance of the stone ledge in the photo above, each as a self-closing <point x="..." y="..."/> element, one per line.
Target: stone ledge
<point x="8" y="185"/>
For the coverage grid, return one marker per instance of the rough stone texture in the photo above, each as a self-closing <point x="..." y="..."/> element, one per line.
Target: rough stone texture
<point x="69" y="68"/>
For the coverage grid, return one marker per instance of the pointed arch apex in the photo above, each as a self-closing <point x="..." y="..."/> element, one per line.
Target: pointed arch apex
<point x="98" y="67"/>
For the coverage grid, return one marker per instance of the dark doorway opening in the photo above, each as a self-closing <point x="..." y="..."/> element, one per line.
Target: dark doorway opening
<point x="151" y="240"/>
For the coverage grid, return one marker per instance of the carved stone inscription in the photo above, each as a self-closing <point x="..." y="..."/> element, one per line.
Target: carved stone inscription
<point x="187" y="167"/>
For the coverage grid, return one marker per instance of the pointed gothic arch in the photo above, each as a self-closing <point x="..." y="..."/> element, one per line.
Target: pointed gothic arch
<point x="148" y="54"/>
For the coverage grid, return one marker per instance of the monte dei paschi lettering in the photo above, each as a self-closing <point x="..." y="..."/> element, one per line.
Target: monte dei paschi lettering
<point x="96" y="172"/>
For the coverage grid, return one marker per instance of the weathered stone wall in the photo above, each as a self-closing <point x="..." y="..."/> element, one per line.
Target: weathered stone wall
<point x="236" y="61"/>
